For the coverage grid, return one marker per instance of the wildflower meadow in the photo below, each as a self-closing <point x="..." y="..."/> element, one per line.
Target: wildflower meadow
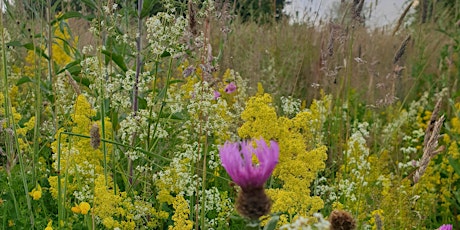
<point x="226" y="114"/>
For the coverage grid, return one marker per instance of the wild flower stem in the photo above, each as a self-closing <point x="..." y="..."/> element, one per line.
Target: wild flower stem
<point x="117" y="143"/>
<point x="50" y="59"/>
<point x="11" y="139"/>
<point x="203" y="186"/>
<point x="165" y="90"/>
<point x="59" y="198"/>
<point x="38" y="103"/>
<point x="8" y="140"/>
<point x="104" y="147"/>
<point x="136" y="81"/>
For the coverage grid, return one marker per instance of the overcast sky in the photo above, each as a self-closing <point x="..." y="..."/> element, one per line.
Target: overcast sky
<point x="383" y="12"/>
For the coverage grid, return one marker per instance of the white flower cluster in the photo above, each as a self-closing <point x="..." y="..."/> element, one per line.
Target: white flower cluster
<point x="164" y="33"/>
<point x="406" y="117"/>
<point x="134" y="155"/>
<point x="184" y="183"/>
<point x="357" y="164"/>
<point x="290" y="105"/>
<point x="110" y="9"/>
<point x="323" y="107"/>
<point x="346" y="188"/>
<point x="303" y="223"/>
<point x="84" y="193"/>
<point x="190" y="151"/>
<point x="408" y="149"/>
<point x="64" y="96"/>
<point x="213" y="203"/>
<point x="142" y="125"/>
<point x="204" y="111"/>
<point x="325" y="191"/>
<point x="7" y="38"/>
<point x="67" y="153"/>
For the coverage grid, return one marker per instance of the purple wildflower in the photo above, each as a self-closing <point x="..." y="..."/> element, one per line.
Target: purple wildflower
<point x="445" y="227"/>
<point x="216" y="94"/>
<point x="230" y="88"/>
<point x="237" y="160"/>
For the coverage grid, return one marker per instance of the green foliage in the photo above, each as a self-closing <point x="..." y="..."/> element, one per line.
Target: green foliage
<point x="259" y="10"/>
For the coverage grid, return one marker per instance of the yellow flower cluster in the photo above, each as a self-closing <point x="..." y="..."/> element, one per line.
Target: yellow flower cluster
<point x="119" y="210"/>
<point x="75" y="153"/>
<point x="300" y="158"/>
<point x="21" y="132"/>
<point x="405" y="205"/>
<point x="450" y="180"/>
<point x="61" y="50"/>
<point x="181" y="215"/>
<point x="377" y="220"/>
<point x="81" y="168"/>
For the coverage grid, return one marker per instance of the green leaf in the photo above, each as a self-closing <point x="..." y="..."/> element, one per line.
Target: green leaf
<point x="23" y="80"/>
<point x="118" y="59"/>
<point x="457" y="196"/>
<point x="142" y="103"/>
<point x="41" y="52"/>
<point x="165" y="54"/>
<point x="14" y="44"/>
<point x="147" y="7"/>
<point x="90" y="3"/>
<point x="29" y="46"/>
<point x="271" y="225"/>
<point x="455" y="164"/>
<point x="67" y="15"/>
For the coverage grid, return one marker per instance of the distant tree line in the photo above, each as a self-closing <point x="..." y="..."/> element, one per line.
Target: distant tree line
<point x="259" y="10"/>
<point x="427" y="10"/>
<point x="255" y="10"/>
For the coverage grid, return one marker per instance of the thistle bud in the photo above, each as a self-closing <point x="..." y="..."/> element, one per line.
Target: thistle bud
<point x="95" y="140"/>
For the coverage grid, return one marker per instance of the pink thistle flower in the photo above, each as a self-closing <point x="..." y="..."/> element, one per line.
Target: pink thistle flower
<point x="445" y="227"/>
<point x="237" y="160"/>
<point x="216" y="94"/>
<point x="230" y="88"/>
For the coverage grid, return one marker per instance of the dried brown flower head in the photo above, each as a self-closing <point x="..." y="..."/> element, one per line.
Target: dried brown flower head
<point x="341" y="220"/>
<point x="95" y="140"/>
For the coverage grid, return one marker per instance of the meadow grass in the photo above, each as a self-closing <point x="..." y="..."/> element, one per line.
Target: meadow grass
<point x="114" y="117"/>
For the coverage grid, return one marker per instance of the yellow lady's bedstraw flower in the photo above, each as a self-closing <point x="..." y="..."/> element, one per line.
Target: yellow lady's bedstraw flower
<point x="36" y="193"/>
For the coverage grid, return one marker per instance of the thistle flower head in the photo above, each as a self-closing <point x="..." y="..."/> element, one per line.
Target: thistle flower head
<point x="95" y="140"/>
<point x="237" y="159"/>
<point x="445" y="227"/>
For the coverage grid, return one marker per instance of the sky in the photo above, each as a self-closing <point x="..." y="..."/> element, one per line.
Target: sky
<point x="384" y="12"/>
